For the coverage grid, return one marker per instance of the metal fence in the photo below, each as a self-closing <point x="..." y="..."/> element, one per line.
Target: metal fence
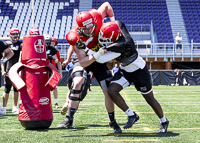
<point x="155" y="50"/>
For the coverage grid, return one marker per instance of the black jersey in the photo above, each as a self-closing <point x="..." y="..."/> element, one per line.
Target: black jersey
<point x="124" y="45"/>
<point x="3" y="46"/>
<point x="16" y="48"/>
<point x="51" y="51"/>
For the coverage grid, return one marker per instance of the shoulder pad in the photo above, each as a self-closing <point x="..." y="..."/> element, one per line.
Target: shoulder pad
<point x="72" y="37"/>
<point x="8" y="43"/>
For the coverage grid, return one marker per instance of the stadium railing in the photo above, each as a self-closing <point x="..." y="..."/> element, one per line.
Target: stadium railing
<point x="154" y="50"/>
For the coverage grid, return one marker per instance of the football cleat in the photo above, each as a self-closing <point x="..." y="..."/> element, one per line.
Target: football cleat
<point x="57" y="106"/>
<point x="15" y="111"/>
<point x="66" y="123"/>
<point x="115" y="126"/>
<point x="64" y="109"/>
<point x="163" y="127"/>
<point x="131" y="120"/>
<point x="2" y="113"/>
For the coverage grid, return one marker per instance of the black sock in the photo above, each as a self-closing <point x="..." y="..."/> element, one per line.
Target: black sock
<point x="111" y="116"/>
<point x="71" y="112"/>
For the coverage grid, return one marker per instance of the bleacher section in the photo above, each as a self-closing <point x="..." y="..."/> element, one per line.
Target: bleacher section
<point x="142" y="12"/>
<point x="54" y="17"/>
<point x="57" y="17"/>
<point x="191" y="13"/>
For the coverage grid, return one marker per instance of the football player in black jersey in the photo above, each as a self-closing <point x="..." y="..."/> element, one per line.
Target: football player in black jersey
<point x="15" y="45"/>
<point x="120" y="46"/>
<point x="51" y="51"/>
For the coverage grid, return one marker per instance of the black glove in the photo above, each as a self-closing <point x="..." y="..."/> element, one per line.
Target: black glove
<point x="80" y="45"/>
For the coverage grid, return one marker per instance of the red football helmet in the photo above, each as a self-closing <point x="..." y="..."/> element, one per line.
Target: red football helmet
<point x="34" y="31"/>
<point x="54" y="39"/>
<point x="86" y="21"/>
<point x="14" y="34"/>
<point x="109" y="33"/>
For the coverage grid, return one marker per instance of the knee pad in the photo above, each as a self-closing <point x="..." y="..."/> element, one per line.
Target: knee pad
<point x="82" y="92"/>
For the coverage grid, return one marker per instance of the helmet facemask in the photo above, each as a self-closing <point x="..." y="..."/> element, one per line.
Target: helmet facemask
<point x="93" y="26"/>
<point x="15" y="36"/>
<point x="104" y="41"/>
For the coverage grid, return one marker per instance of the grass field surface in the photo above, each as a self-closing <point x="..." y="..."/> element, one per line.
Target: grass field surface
<point x="181" y="105"/>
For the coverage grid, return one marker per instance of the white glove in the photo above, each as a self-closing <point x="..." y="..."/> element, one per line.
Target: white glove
<point x="99" y="53"/>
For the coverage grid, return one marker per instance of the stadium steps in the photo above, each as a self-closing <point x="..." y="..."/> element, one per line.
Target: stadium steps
<point x="176" y="20"/>
<point x="85" y="5"/>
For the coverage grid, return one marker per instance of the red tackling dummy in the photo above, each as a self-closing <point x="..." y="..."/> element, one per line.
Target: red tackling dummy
<point x="34" y="84"/>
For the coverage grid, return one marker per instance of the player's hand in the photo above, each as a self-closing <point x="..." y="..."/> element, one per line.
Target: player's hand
<point x="65" y="63"/>
<point x="105" y="51"/>
<point x="99" y="53"/>
<point x="3" y="74"/>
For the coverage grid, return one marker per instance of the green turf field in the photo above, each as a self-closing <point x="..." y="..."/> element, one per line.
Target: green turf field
<point x="181" y="105"/>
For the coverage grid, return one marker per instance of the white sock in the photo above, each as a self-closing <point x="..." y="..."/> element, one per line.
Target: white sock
<point x="129" y="112"/>
<point x="4" y="109"/>
<point x="14" y="107"/>
<point x="163" y="119"/>
<point x="66" y="104"/>
<point x="56" y="101"/>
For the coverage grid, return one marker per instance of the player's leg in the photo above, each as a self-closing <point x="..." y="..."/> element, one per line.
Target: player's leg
<point x="15" y="100"/>
<point x="69" y="83"/>
<point x="149" y="97"/>
<point x="78" y="92"/>
<point x="64" y="109"/>
<point x="103" y="77"/>
<point x="117" y="84"/>
<point x="144" y="86"/>
<point x="7" y="89"/>
<point x="55" y="94"/>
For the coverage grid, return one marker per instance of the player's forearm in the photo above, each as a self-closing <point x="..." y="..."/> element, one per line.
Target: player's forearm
<point x="3" y="67"/>
<point x="109" y="10"/>
<point x="106" y="9"/>
<point x="86" y="61"/>
<point x="69" y="53"/>
<point x="59" y="66"/>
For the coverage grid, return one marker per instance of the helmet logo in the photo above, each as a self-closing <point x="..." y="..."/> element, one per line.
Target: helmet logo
<point x="87" y="22"/>
<point x="39" y="46"/>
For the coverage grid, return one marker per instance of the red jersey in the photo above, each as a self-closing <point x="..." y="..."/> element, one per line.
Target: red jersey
<point x="59" y="60"/>
<point x="91" y="42"/>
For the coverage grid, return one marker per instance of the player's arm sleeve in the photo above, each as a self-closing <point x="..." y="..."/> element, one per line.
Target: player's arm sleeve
<point x="118" y="47"/>
<point x="58" y="56"/>
<point x="3" y="46"/>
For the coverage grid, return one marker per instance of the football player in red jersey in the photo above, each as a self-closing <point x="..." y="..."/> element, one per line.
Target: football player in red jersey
<point x="85" y="34"/>
<point x="117" y="40"/>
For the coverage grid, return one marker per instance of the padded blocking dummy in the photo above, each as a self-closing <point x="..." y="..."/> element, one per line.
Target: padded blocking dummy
<point x="36" y="79"/>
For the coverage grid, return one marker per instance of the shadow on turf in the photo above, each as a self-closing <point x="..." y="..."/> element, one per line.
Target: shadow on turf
<point x="168" y="134"/>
